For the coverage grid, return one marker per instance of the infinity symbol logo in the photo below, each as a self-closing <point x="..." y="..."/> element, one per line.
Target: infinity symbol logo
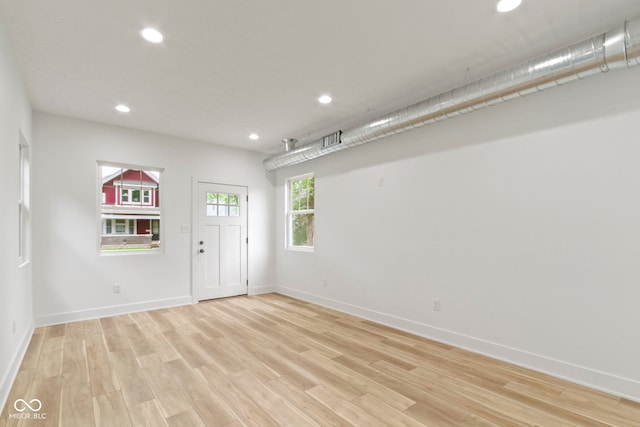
<point x="37" y="405"/>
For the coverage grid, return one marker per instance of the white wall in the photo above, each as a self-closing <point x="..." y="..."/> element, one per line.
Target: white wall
<point x="71" y="279"/>
<point x="15" y="279"/>
<point x="523" y="219"/>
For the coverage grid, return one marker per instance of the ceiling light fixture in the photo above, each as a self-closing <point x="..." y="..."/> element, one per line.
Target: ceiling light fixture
<point x="254" y="136"/>
<point x="123" y="108"/>
<point x="152" y="35"/>
<point x="508" y="5"/>
<point x="324" y="99"/>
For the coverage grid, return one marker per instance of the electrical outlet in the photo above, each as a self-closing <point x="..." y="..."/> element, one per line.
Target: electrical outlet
<point x="325" y="283"/>
<point x="116" y="288"/>
<point x="14" y="327"/>
<point x="436" y="305"/>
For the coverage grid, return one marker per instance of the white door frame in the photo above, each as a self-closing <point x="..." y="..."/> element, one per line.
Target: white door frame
<point x="195" y="227"/>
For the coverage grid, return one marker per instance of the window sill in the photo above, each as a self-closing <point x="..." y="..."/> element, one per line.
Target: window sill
<point x="130" y="252"/>
<point x="300" y="248"/>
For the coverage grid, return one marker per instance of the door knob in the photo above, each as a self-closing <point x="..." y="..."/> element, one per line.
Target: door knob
<point x="201" y="251"/>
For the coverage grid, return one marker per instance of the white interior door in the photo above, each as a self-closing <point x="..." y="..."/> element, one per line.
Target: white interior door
<point x="222" y="241"/>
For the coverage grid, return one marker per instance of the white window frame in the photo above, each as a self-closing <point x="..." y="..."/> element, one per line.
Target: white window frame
<point x="123" y="192"/>
<point x="24" y="200"/>
<point x="113" y="227"/>
<point x="228" y="205"/>
<point x="143" y="191"/>
<point x="289" y="214"/>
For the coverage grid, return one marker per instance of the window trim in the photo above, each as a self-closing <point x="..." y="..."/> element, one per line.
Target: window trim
<point x="130" y="222"/>
<point x="143" y="191"/>
<point x="24" y="200"/>
<point x="289" y="214"/>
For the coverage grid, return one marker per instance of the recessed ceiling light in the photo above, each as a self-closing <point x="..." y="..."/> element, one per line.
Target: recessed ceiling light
<point x="324" y="99"/>
<point x="254" y="136"/>
<point x="508" y="5"/>
<point x="152" y="35"/>
<point x="123" y="108"/>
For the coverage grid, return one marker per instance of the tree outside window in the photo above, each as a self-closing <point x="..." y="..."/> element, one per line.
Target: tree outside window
<point x="300" y="212"/>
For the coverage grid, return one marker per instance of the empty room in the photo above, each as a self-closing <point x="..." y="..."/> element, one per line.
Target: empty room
<point x="319" y="213"/>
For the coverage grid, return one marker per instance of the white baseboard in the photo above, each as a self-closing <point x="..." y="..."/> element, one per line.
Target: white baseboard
<point x="588" y="377"/>
<point x="7" y="381"/>
<point x="114" y="310"/>
<point x="259" y="290"/>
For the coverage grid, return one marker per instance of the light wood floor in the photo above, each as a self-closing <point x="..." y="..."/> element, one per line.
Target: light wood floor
<point x="272" y="360"/>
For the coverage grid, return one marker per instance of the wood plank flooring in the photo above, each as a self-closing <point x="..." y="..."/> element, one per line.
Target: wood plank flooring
<point x="271" y="360"/>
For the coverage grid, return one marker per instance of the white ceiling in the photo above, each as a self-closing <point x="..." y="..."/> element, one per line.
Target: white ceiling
<point x="230" y="68"/>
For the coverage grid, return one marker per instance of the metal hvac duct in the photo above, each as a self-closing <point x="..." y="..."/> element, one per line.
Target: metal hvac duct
<point x="618" y="48"/>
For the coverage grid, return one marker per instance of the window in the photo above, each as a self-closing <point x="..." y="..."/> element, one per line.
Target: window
<point x="23" y="201"/>
<point x="121" y="226"/>
<point x="131" y="196"/>
<point x="300" y="212"/>
<point x="223" y="204"/>
<point x="129" y="208"/>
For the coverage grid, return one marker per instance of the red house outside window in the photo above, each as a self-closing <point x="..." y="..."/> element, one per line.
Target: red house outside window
<point x="130" y="208"/>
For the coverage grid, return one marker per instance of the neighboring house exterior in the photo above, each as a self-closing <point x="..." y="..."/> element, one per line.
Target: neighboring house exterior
<point x="130" y="210"/>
